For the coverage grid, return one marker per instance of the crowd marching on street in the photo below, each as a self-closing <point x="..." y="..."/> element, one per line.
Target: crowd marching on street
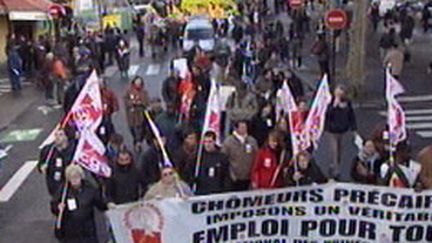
<point x="264" y="137"/>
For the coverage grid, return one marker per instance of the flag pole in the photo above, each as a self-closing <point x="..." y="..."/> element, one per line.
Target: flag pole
<point x="198" y="163"/>
<point x="61" y="212"/>
<point x="279" y="168"/>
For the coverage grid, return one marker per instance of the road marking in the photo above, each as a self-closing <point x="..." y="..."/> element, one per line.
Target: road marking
<point x="411" y="112"/>
<point x="152" y="69"/>
<point x="110" y="71"/>
<point x="4" y="80"/>
<point x="419" y="126"/>
<point x="45" y="109"/>
<point x="17" y="179"/>
<point x="133" y="70"/>
<point x="418" y="118"/>
<point x="416" y="98"/>
<point x="21" y="135"/>
<point x="425" y="134"/>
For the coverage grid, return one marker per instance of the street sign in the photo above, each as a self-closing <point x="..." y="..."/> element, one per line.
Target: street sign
<point x="295" y="3"/>
<point x="56" y="11"/>
<point x="336" y="19"/>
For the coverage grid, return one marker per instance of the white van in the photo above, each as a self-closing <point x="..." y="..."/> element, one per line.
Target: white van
<point x="199" y="32"/>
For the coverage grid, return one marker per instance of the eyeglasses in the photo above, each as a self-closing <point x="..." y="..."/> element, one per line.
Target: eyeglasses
<point x="168" y="173"/>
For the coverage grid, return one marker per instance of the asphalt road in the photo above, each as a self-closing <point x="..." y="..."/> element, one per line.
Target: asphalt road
<point x="25" y="216"/>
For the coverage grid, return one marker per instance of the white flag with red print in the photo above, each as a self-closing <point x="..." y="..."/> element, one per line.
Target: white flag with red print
<point x="314" y="125"/>
<point x="212" y="118"/>
<point x="396" y="115"/>
<point x="286" y="105"/>
<point x="90" y="154"/>
<point x="87" y="110"/>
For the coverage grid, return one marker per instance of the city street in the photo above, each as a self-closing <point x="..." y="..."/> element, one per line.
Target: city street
<point x="25" y="121"/>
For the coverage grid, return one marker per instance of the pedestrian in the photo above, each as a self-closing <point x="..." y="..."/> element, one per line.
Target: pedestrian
<point x="404" y="172"/>
<point x="340" y="118"/>
<point x="321" y="51"/>
<point x="374" y="15"/>
<point x="366" y="164"/>
<point x="296" y="50"/>
<point x="110" y="107"/>
<point x="394" y="60"/>
<point x="185" y="156"/>
<point x="242" y="105"/>
<point x="110" y="44"/>
<point x="169" y="186"/>
<point x="263" y="123"/>
<point x="77" y="207"/>
<point x="14" y="63"/>
<point x="426" y="15"/>
<point x="140" y="34"/>
<point x="425" y="158"/>
<point x="123" y="56"/>
<point x="241" y="150"/>
<point x="266" y="165"/>
<point x="303" y="171"/>
<point x="388" y="39"/>
<point x="126" y="183"/>
<point x="167" y="121"/>
<point x="136" y="102"/>
<point x="213" y="171"/>
<point x="115" y="144"/>
<point x="53" y="160"/>
<point x="170" y="92"/>
<point x="60" y="75"/>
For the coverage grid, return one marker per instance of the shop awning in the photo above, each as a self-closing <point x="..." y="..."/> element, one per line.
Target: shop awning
<point x="25" y="10"/>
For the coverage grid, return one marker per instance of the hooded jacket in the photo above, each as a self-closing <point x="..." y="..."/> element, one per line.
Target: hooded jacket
<point x="264" y="168"/>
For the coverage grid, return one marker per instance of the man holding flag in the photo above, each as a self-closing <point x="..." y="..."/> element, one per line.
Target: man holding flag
<point x="400" y="171"/>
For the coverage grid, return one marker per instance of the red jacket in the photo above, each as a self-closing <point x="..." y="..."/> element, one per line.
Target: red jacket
<point x="264" y="168"/>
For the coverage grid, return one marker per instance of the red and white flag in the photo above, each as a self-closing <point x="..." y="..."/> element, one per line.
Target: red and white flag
<point x="90" y="154"/>
<point x="286" y="105"/>
<point x="86" y="112"/>
<point x="396" y="115"/>
<point x="212" y="118"/>
<point x="314" y="125"/>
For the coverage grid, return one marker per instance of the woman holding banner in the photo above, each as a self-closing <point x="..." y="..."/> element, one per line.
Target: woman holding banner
<point x="303" y="171"/>
<point x="170" y="185"/>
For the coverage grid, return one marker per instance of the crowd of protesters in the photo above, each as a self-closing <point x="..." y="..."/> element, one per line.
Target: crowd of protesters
<point x="251" y="151"/>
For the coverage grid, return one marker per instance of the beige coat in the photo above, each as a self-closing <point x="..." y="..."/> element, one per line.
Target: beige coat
<point x="241" y="156"/>
<point x="394" y="58"/>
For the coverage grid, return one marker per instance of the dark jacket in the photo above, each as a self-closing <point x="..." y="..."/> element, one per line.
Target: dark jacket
<point x="372" y="167"/>
<point x="169" y="91"/>
<point x="78" y="223"/>
<point x="213" y="173"/>
<point x="311" y="175"/>
<point x="152" y="162"/>
<point x="182" y="160"/>
<point x="125" y="185"/>
<point x="56" y="165"/>
<point x="341" y="118"/>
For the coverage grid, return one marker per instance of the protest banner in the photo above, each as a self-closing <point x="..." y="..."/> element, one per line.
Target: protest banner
<point x="335" y="212"/>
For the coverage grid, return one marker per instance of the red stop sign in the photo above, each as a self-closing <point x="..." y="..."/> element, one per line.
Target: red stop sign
<point x="56" y="10"/>
<point x="295" y="3"/>
<point x="336" y="19"/>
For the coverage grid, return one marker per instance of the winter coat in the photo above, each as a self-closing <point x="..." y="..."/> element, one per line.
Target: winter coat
<point x="242" y="108"/>
<point x="152" y="162"/>
<point x="264" y="168"/>
<point x="126" y="184"/>
<point x="136" y="100"/>
<point x="371" y="164"/>
<point x="394" y="58"/>
<point x="182" y="160"/>
<point x="240" y="155"/>
<point x="341" y="118"/>
<point x="161" y="191"/>
<point x="109" y="101"/>
<point x="78" y="224"/>
<point x="14" y="63"/>
<point x="167" y="123"/>
<point x="311" y="175"/>
<point x="169" y="91"/>
<point x="213" y="174"/>
<point x="123" y="55"/>
<point x="56" y="165"/>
